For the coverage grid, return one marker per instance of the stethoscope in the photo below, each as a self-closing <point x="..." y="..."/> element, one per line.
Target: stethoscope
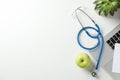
<point x="98" y="36"/>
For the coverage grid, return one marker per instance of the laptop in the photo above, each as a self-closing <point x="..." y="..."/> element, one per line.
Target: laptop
<point x="107" y="56"/>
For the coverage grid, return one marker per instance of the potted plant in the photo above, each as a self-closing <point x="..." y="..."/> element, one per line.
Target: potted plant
<point x="106" y="7"/>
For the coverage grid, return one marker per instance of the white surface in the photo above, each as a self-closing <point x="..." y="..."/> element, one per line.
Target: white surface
<point x="116" y="59"/>
<point x="38" y="39"/>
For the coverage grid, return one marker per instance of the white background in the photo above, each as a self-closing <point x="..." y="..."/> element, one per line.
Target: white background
<point x="38" y="39"/>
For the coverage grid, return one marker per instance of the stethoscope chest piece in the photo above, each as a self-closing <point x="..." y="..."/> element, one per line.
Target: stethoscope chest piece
<point x="94" y="74"/>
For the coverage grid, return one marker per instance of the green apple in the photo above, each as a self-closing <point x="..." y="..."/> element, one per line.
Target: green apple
<point x="83" y="60"/>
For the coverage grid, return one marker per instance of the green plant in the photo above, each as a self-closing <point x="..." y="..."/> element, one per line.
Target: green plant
<point x="106" y="7"/>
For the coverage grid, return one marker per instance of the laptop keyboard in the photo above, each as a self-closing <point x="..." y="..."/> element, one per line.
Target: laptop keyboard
<point x="114" y="39"/>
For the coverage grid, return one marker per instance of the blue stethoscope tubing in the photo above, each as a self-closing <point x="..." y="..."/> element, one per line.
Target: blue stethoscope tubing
<point x="98" y="36"/>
